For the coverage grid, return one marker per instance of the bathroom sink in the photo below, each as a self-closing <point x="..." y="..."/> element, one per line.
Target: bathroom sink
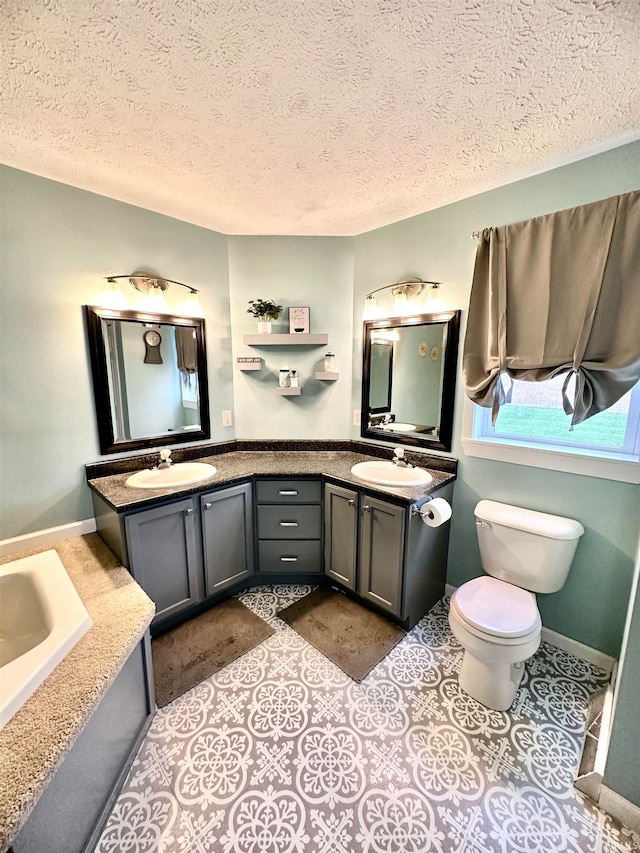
<point x="178" y="474"/>
<point x="385" y="473"/>
<point x="394" y="426"/>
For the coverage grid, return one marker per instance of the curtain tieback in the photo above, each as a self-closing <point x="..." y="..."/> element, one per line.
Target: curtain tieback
<point x="502" y="393"/>
<point x="567" y="405"/>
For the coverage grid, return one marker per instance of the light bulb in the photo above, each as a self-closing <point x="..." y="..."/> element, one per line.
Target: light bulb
<point x="435" y="303"/>
<point x="112" y="297"/>
<point x="370" y="311"/>
<point x="401" y="305"/>
<point x="154" y="301"/>
<point x="191" y="306"/>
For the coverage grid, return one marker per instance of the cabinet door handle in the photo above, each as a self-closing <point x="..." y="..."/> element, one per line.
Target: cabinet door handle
<point x="208" y="505"/>
<point x="366" y="508"/>
<point x="188" y="510"/>
<point x="288" y="524"/>
<point x="287" y="492"/>
<point x="351" y="501"/>
<point x="288" y="559"/>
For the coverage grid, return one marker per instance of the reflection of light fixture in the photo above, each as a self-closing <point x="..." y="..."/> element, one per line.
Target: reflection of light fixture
<point x="385" y="335"/>
<point x="153" y="288"/>
<point x="404" y="293"/>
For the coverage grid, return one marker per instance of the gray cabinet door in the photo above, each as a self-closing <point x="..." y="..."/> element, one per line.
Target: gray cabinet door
<point x="163" y="557"/>
<point x="381" y="553"/>
<point x="341" y="532"/>
<point x="227" y="530"/>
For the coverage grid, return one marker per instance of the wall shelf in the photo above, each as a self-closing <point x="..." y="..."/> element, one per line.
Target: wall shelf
<point x="327" y="377"/>
<point x="250" y="365"/>
<point x="289" y="392"/>
<point x="286" y="340"/>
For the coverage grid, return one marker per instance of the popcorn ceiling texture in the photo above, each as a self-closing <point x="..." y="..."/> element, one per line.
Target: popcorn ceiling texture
<point x="312" y="116"/>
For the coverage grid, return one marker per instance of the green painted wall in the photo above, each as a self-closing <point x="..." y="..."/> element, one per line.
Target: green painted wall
<point x="438" y="246"/>
<point x="306" y="271"/>
<point x="57" y="244"/>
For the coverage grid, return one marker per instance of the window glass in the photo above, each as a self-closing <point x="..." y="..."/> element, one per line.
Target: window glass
<point x="536" y="412"/>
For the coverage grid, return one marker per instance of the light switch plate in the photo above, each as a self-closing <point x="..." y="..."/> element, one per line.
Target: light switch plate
<point x="356" y="417"/>
<point x="227" y="419"/>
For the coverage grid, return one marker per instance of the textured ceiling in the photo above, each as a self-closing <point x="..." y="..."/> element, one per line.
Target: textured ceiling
<point x="312" y="116"/>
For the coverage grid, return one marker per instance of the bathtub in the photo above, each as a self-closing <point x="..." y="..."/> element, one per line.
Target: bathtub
<point x="41" y="620"/>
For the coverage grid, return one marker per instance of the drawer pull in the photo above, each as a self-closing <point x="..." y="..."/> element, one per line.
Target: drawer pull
<point x="188" y="510"/>
<point x="288" y="559"/>
<point x="287" y="492"/>
<point x="351" y="501"/>
<point x="288" y="524"/>
<point x="208" y="505"/>
<point x="366" y="508"/>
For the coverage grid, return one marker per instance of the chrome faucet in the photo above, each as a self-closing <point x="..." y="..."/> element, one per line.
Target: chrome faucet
<point x="165" y="458"/>
<point x="399" y="458"/>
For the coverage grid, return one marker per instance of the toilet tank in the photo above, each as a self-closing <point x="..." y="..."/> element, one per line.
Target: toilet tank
<point x="532" y="550"/>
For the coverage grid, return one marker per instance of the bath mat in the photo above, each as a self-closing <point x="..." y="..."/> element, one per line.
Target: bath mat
<point x="186" y="655"/>
<point x="352" y="637"/>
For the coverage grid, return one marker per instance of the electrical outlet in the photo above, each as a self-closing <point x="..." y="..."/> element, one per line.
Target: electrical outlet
<point x="227" y="419"/>
<point x="356" y="417"/>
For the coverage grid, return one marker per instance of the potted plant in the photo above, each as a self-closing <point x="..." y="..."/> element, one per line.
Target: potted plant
<point x="265" y="310"/>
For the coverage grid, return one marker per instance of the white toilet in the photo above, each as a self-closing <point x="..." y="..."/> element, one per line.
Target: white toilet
<point x="496" y="618"/>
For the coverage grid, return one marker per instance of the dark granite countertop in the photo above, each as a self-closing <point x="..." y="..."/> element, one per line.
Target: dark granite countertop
<point x="235" y="466"/>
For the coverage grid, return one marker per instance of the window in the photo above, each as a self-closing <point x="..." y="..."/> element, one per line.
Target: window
<point x="534" y="430"/>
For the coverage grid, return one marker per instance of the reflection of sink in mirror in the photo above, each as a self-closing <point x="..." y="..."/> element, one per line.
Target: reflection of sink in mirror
<point x="45" y="621"/>
<point x="178" y="474"/>
<point x="394" y="426"/>
<point x="385" y="473"/>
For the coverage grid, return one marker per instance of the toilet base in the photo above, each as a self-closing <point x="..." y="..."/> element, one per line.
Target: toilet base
<point x="492" y="684"/>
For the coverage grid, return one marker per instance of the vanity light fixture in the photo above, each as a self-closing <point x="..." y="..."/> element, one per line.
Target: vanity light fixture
<point x="406" y="298"/>
<point x="153" y="287"/>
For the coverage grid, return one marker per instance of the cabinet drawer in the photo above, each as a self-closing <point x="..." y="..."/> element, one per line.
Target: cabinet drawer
<point x="277" y="556"/>
<point x="288" y="491"/>
<point x="289" y="522"/>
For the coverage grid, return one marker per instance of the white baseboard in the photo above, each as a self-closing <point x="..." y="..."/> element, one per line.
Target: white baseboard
<point x="626" y="812"/>
<point x="42" y="538"/>
<point x="573" y="647"/>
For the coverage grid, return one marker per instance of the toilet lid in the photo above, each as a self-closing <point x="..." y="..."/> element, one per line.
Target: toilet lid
<point x="497" y="608"/>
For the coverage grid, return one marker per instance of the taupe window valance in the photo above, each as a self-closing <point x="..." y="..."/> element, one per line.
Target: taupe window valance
<point x="558" y="294"/>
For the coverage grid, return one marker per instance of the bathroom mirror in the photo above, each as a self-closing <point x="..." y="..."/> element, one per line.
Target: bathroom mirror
<point x="409" y="376"/>
<point x="149" y="378"/>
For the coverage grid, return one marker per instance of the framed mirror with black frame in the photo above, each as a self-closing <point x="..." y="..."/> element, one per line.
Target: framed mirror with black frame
<point x="149" y="378"/>
<point x="408" y="379"/>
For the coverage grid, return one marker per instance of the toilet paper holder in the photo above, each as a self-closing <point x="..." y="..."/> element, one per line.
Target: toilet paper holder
<point x="423" y="513"/>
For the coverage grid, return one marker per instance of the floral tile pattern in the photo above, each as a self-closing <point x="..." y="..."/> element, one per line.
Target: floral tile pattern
<point x="280" y="752"/>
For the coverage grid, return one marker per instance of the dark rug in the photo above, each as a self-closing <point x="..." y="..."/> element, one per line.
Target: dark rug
<point x="196" y="649"/>
<point x="351" y="636"/>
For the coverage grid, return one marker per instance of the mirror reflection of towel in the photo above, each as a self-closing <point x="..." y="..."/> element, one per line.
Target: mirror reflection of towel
<point x="186" y="347"/>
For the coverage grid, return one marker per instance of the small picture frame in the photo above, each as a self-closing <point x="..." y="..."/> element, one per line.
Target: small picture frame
<point x="299" y="321"/>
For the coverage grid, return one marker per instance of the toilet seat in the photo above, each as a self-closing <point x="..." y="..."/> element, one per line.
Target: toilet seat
<point x="493" y="608"/>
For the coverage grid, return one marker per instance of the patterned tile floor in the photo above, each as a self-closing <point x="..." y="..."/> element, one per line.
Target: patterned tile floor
<point x="280" y="752"/>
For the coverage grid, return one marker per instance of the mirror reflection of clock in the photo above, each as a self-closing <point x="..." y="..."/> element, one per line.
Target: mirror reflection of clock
<point x="152" y="341"/>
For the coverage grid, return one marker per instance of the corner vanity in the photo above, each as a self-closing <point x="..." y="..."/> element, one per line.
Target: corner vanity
<point x="276" y="512"/>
